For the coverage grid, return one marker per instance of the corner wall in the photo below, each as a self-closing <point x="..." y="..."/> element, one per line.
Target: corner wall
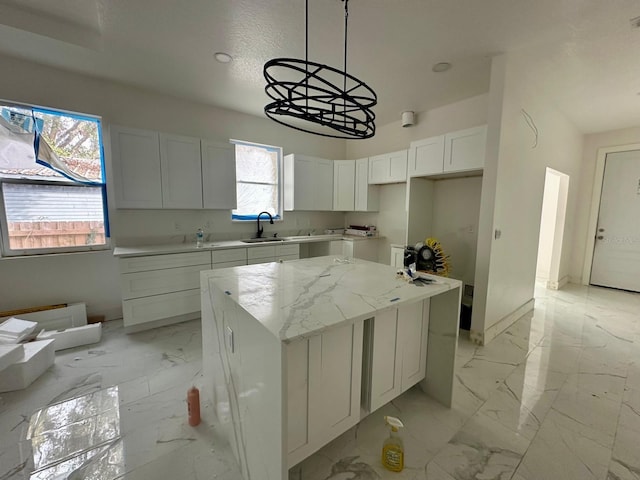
<point x="515" y="167"/>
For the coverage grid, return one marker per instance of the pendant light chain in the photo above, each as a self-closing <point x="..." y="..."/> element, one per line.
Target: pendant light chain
<point x="344" y="84"/>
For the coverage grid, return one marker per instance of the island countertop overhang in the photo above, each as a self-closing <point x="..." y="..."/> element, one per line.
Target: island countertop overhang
<point x="301" y="298"/>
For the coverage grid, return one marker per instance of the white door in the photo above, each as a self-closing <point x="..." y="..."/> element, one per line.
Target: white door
<point x="218" y="175"/>
<point x="181" y="169"/>
<point x="344" y="185"/>
<point x="616" y="255"/>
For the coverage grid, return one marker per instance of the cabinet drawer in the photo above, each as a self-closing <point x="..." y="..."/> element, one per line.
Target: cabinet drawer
<point x="236" y="263"/>
<point x="159" y="262"/>
<point x="291" y="249"/>
<point x="286" y="258"/>
<point x="158" y="307"/>
<point x="156" y="282"/>
<point x="261" y="252"/>
<point x="231" y="255"/>
<point x="255" y="261"/>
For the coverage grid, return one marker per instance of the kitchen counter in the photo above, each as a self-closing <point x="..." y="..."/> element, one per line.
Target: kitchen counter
<point x="228" y="244"/>
<point x="296" y="353"/>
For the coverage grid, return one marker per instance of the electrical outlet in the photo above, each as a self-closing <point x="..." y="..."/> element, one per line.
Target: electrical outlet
<point x="177" y="226"/>
<point x="208" y="225"/>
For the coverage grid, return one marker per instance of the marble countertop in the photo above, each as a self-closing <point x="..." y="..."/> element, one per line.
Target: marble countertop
<point x="301" y="298"/>
<point x="226" y="244"/>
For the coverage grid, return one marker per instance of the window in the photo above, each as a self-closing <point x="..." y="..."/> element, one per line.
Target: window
<point x="52" y="183"/>
<point x="258" y="180"/>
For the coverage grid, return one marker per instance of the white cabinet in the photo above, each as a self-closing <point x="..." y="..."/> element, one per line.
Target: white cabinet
<point x="366" y="196"/>
<point x="218" y="175"/>
<point x="388" y="168"/>
<point x="465" y="150"/>
<point x="136" y="168"/>
<point x="344" y="178"/>
<point x="395" y="352"/>
<point x="232" y="257"/>
<point x="323" y="388"/>
<point x="461" y="151"/>
<point x="181" y="171"/>
<point x="308" y="183"/>
<point x="397" y="257"/>
<point x="158" y="170"/>
<point x="273" y="253"/>
<point x="363" y="249"/>
<point x="426" y="156"/>
<point x="162" y="287"/>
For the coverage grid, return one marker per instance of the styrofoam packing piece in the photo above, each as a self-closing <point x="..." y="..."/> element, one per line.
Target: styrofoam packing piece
<point x="73" y="337"/>
<point x="16" y="327"/>
<point x="36" y="358"/>
<point x="10" y="354"/>
<point x="73" y="315"/>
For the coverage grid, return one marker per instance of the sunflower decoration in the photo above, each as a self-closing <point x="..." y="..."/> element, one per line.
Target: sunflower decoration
<point x="432" y="259"/>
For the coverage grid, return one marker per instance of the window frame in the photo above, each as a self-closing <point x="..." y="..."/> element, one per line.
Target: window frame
<point x="5" y="250"/>
<point x="279" y="216"/>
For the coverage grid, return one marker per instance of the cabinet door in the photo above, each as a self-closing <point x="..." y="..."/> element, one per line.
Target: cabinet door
<point x="181" y="172"/>
<point x="159" y="307"/>
<point x="302" y="188"/>
<point x="397" y="257"/>
<point x="426" y="157"/>
<point x="136" y="168"/>
<point x="465" y="150"/>
<point x="385" y="362"/>
<point x="366" y="196"/>
<point x="218" y="175"/>
<point x="365" y="249"/>
<point x="323" y="183"/>
<point x="413" y="325"/>
<point x="335" y="373"/>
<point x="398" y="166"/>
<point x="379" y="169"/>
<point x="344" y="185"/>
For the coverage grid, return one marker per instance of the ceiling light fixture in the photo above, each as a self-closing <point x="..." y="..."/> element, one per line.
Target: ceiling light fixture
<point x="441" y="67"/>
<point x="337" y="103"/>
<point x="223" y="57"/>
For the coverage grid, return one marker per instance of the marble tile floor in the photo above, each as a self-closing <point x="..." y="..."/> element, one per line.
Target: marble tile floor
<point x="555" y="396"/>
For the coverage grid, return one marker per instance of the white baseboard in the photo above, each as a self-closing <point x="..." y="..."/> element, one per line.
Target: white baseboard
<point x="483" y="338"/>
<point x="558" y="285"/>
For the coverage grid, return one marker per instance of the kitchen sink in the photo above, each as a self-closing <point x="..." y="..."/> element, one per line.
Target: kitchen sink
<point x="262" y="240"/>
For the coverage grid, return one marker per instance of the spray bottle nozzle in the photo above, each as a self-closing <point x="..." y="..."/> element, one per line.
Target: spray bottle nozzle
<point x="394" y="423"/>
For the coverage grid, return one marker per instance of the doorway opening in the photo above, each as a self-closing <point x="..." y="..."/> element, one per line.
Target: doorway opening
<point x="552" y="224"/>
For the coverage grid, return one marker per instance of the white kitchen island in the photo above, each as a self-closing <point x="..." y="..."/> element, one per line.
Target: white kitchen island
<point x="296" y="353"/>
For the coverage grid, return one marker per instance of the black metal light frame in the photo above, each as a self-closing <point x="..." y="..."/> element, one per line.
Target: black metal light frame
<point x="310" y="91"/>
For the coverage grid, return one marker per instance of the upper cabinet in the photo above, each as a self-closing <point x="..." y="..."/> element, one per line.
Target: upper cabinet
<point x="426" y="156"/>
<point x="465" y="150"/>
<point x="157" y="170"/>
<point x="181" y="171"/>
<point x="308" y="183"/>
<point x="136" y="168"/>
<point x="366" y="196"/>
<point x="344" y="180"/>
<point x="461" y="151"/>
<point x="218" y="175"/>
<point x="388" y="168"/>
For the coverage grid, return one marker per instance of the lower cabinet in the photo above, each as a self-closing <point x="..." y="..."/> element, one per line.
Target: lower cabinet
<point x="395" y="353"/>
<point x="323" y="388"/>
<point x="397" y="256"/>
<point x="273" y="253"/>
<point x="162" y="287"/>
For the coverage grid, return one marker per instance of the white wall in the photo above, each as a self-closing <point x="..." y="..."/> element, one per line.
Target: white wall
<point x="456" y="209"/>
<point x="515" y="165"/>
<point x="591" y="145"/>
<point x="547" y="225"/>
<point x="92" y="277"/>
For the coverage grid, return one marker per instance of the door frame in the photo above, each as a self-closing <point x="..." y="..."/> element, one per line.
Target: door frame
<point x="595" y="204"/>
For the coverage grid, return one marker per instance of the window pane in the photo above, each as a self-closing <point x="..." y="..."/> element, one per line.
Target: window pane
<point x="256" y="164"/>
<point x="253" y="199"/>
<point x="53" y="216"/>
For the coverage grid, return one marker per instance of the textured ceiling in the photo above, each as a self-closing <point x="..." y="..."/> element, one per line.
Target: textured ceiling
<point x="583" y="52"/>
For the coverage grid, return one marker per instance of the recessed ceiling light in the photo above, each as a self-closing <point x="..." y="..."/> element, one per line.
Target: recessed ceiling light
<point x="223" y="57"/>
<point x="441" y="67"/>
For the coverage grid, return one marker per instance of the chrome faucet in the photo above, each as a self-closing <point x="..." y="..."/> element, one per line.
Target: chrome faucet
<point x="260" y="229"/>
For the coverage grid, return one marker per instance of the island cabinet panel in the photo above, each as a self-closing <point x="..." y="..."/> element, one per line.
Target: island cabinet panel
<point x="329" y="365"/>
<point x="397" y="353"/>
